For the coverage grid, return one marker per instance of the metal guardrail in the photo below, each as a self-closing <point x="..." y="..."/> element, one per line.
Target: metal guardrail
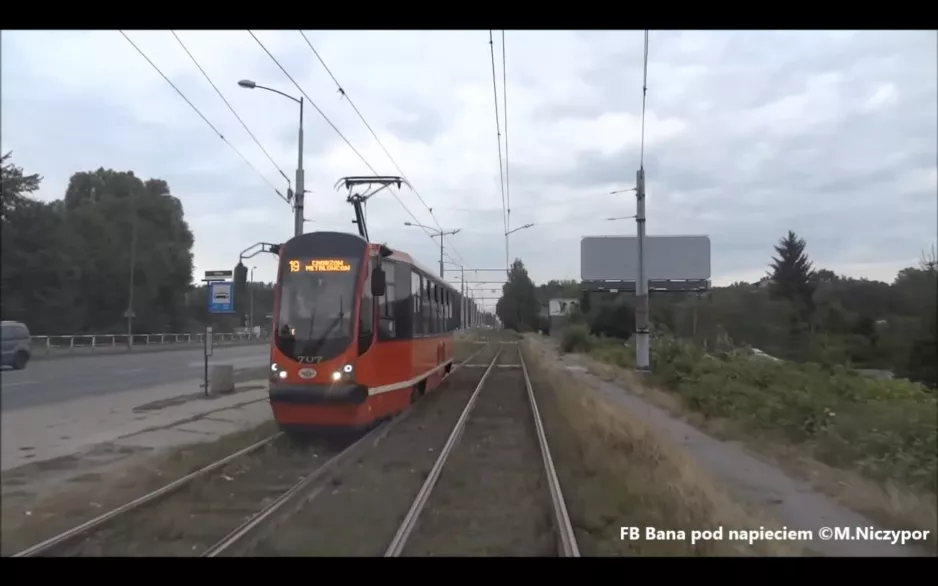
<point x="64" y="344"/>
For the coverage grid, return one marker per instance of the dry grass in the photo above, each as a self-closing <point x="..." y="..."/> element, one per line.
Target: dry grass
<point x="29" y="519"/>
<point x="884" y="501"/>
<point x="616" y="472"/>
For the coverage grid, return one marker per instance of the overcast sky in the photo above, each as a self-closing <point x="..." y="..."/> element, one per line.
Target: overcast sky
<point x="748" y="135"/>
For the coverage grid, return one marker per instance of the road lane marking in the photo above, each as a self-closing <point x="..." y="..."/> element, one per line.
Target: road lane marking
<point x="127" y="371"/>
<point x="25" y="382"/>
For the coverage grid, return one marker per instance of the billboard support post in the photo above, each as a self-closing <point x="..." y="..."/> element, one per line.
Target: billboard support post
<point x="639" y="265"/>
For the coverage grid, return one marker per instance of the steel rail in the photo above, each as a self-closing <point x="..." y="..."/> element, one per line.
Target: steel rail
<point x="138" y="502"/>
<point x="410" y="520"/>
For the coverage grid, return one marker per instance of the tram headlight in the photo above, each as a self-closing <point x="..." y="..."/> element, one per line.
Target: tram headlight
<point x="276" y="372"/>
<point x="344" y="372"/>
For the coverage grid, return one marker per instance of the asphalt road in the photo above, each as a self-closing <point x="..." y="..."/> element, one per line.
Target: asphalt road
<point x="51" y="381"/>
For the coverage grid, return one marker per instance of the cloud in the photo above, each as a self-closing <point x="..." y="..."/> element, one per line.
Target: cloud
<point x="747" y="135"/>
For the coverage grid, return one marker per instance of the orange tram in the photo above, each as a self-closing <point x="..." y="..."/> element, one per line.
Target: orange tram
<point x="360" y="331"/>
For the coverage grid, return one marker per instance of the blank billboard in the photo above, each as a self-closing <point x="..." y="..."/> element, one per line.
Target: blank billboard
<point x="667" y="258"/>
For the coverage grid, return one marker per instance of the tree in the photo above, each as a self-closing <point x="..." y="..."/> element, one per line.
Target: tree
<point x="792" y="276"/>
<point x="37" y="284"/>
<point x="66" y="263"/>
<point x="518" y="306"/>
<point x="116" y="214"/>
<point x="15" y="187"/>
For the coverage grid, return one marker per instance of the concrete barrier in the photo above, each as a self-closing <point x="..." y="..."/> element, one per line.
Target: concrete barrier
<point x="221" y="381"/>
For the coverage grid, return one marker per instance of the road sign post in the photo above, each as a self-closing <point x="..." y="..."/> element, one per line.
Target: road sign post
<point x="208" y="346"/>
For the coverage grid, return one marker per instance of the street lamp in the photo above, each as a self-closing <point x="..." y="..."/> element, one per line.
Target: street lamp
<point x="507" y="266"/>
<point x="300" y="188"/>
<point x="620" y="218"/>
<point x="518" y="228"/>
<point x="439" y="233"/>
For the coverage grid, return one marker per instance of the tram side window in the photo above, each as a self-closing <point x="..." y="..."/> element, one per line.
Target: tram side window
<point x="445" y="294"/>
<point x="440" y="324"/>
<point x="404" y="322"/>
<point x="425" y="305"/>
<point x="386" y="313"/>
<point x="431" y="303"/>
<point x="452" y="311"/>
<point x="435" y="305"/>
<point x="457" y="311"/>
<point x="446" y="315"/>
<point x="449" y="308"/>
<point x="442" y="310"/>
<point x="417" y="302"/>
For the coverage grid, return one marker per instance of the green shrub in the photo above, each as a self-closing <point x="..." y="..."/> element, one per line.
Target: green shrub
<point x="576" y="339"/>
<point x="883" y="428"/>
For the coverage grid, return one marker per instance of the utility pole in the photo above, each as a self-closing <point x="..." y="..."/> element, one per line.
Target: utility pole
<point x="133" y="267"/>
<point x="641" y="285"/>
<point x="462" y="296"/>
<point x="251" y="320"/>
<point x="299" y="196"/>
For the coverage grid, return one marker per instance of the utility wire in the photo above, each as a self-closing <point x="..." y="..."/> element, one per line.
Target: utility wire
<point x="202" y="116"/>
<point x="498" y="136"/>
<point x="505" y="114"/>
<point x="339" y="132"/>
<point x="378" y="140"/>
<point x="220" y="95"/>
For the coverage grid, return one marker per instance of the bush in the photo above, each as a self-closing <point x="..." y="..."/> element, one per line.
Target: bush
<point x="886" y="429"/>
<point x="576" y="339"/>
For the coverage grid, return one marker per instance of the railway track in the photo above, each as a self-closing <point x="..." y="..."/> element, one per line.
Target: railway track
<point x="469" y="474"/>
<point x="217" y="507"/>
<point x="493" y="490"/>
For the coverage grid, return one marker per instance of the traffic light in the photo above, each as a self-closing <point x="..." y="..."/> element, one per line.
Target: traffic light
<point x="240" y="276"/>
